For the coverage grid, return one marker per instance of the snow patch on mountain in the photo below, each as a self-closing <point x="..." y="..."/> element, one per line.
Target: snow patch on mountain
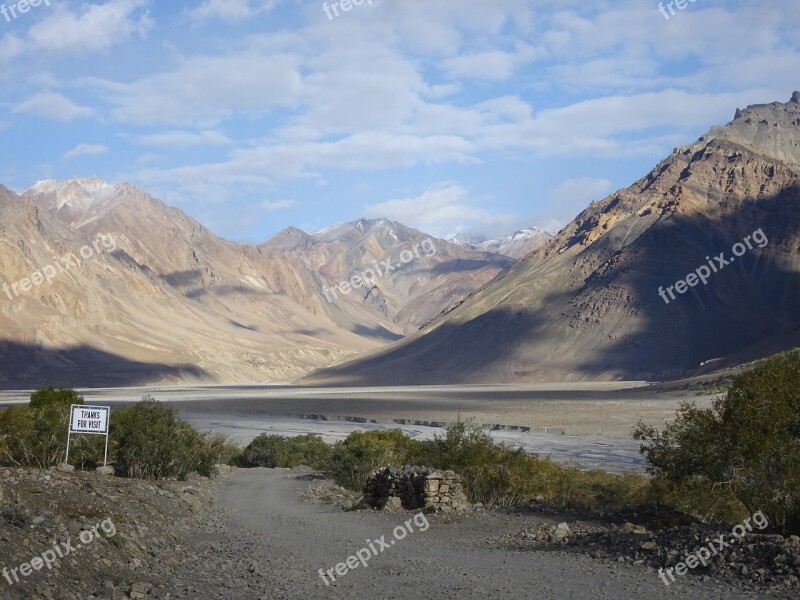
<point x="515" y="245"/>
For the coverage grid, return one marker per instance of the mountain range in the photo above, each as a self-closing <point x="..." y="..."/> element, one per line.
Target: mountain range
<point x="588" y="304"/>
<point x="169" y="301"/>
<point x="102" y="284"/>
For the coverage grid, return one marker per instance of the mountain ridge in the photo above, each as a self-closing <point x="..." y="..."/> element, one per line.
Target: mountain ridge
<point x="174" y="298"/>
<point x="585" y="306"/>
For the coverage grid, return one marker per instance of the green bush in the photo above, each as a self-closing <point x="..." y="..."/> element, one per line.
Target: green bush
<point x="151" y="442"/>
<point x="364" y="452"/>
<point x="36" y="435"/>
<point x="746" y="445"/>
<point x="147" y="438"/>
<point x="497" y="474"/>
<point x="286" y="452"/>
<point x="492" y="473"/>
<point x="54" y="397"/>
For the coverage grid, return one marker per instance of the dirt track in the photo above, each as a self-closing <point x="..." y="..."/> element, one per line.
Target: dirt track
<point x="457" y="557"/>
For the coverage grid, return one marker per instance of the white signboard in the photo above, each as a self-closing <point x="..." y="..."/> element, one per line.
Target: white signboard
<point x="89" y="419"/>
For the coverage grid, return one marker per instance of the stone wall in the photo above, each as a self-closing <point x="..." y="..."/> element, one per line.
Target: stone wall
<point x="411" y="488"/>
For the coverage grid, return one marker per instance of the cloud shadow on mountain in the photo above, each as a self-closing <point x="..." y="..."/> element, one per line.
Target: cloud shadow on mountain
<point x="24" y="366"/>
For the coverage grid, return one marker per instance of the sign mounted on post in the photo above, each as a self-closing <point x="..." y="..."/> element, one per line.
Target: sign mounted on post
<point x="89" y="419"/>
<point x="92" y="420"/>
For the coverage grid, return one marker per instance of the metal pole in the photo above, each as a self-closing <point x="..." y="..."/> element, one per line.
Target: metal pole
<point x="69" y="432"/>
<point x="105" y="456"/>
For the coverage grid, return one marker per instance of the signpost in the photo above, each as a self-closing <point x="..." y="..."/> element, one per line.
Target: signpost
<point x="92" y="420"/>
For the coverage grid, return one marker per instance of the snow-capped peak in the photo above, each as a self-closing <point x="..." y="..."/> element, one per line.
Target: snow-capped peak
<point x="91" y="185"/>
<point x="74" y="196"/>
<point x="515" y="245"/>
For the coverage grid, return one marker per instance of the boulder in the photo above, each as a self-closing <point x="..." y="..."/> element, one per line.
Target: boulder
<point x="393" y="504"/>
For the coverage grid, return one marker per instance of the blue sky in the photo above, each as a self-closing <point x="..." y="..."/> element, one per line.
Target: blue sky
<point x="447" y="115"/>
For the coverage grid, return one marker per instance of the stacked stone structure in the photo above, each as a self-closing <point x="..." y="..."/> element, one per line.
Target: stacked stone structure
<point x="411" y="488"/>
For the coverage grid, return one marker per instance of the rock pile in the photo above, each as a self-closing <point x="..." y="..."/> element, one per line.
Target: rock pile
<point x="757" y="561"/>
<point x="411" y="488"/>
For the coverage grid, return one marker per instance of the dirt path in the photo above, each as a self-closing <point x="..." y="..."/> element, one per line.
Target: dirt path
<point x="456" y="557"/>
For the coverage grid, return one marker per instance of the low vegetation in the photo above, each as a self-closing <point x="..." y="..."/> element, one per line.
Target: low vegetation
<point x="742" y="454"/>
<point x="147" y="439"/>
<point x="277" y="451"/>
<point x="151" y="442"/>
<point x="493" y="473"/>
<point x="36" y="435"/>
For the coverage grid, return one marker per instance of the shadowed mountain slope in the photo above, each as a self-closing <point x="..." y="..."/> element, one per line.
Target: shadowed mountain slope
<point x="587" y="305"/>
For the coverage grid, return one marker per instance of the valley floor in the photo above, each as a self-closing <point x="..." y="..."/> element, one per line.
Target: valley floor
<point x="588" y="424"/>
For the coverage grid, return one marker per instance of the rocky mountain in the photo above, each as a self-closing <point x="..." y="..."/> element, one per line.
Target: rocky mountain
<point x="407" y="295"/>
<point x="515" y="245"/>
<point x="105" y="285"/>
<point x="696" y="265"/>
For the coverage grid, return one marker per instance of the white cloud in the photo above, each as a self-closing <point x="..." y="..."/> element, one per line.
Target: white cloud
<point x="93" y="28"/>
<point x="273" y="205"/>
<point x="185" y="139"/>
<point x="494" y="65"/>
<point x="231" y="11"/>
<point x="206" y="88"/>
<point x="54" y="106"/>
<point x="86" y="150"/>
<point x="443" y="210"/>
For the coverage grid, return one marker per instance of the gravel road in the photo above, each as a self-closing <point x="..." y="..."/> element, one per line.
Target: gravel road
<point x="457" y="557"/>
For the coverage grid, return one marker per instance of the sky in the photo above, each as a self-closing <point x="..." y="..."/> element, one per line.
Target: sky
<point x="451" y="116"/>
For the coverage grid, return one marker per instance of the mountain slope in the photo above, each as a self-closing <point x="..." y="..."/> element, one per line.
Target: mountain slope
<point x="438" y="275"/>
<point x="160" y="298"/>
<point x="587" y="305"/>
<point x="167" y="296"/>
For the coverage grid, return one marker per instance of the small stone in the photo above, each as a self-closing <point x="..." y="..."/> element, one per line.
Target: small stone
<point x="65" y="468"/>
<point x="634" y="528"/>
<point x="562" y="530"/>
<point x="142" y="588"/>
<point x="193" y="501"/>
<point x="650" y="546"/>
<point x="106" y="471"/>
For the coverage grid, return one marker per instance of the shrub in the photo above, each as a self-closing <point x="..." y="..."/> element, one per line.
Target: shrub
<point x="151" y="441"/>
<point x="492" y="473"/>
<point x="747" y="444"/>
<point x="54" y="397"/>
<point x="36" y="435"/>
<point x="363" y="453"/>
<point x="278" y="451"/>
